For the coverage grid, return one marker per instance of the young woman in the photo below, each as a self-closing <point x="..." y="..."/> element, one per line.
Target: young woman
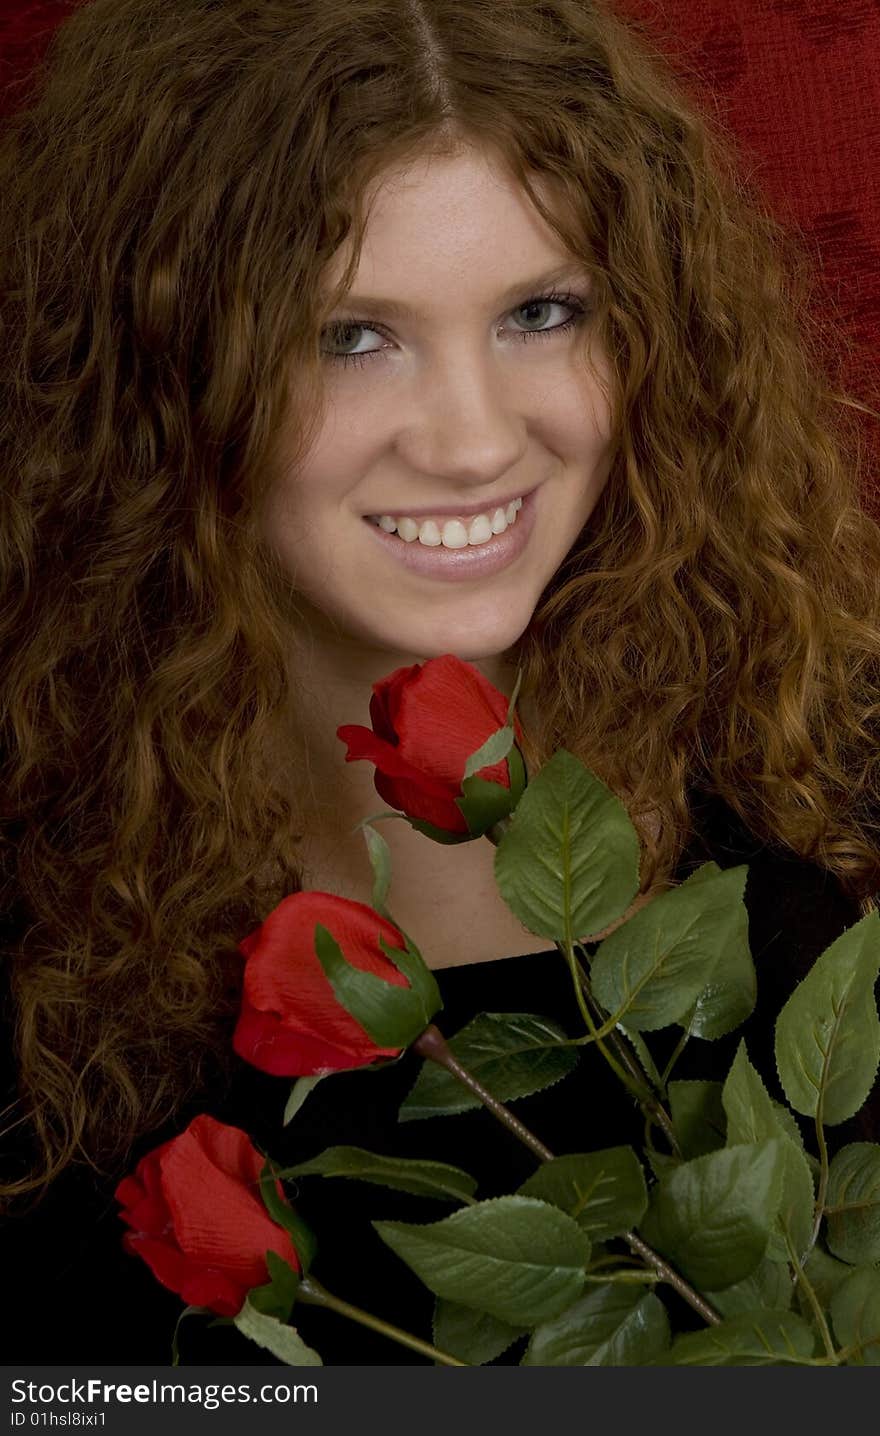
<point x="292" y="294"/>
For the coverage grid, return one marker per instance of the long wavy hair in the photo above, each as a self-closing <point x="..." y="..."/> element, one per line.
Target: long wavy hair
<point x="169" y="198"/>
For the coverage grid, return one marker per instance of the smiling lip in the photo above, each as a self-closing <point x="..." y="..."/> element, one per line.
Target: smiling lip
<point x="465" y="511"/>
<point x="456" y="565"/>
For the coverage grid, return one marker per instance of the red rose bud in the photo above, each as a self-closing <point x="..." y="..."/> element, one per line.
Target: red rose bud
<point x="320" y="995"/>
<point x="197" y="1217"/>
<point x="427" y="721"/>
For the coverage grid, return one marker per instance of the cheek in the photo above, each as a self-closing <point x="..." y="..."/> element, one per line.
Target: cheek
<point x="343" y="449"/>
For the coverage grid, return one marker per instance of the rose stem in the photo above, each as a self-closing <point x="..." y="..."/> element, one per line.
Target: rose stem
<point x="311" y="1292"/>
<point x="433" y="1046"/>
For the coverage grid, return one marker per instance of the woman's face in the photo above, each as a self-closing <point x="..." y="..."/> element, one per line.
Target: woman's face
<point x="455" y="384"/>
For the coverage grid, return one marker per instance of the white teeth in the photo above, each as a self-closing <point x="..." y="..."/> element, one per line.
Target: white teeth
<point x="480" y="530"/>
<point x="454" y="533"/>
<point x="408" y="529"/>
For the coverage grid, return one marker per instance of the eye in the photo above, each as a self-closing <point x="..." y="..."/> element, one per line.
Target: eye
<point x="340" y="333"/>
<point x="353" y="330"/>
<point x="547" y="314"/>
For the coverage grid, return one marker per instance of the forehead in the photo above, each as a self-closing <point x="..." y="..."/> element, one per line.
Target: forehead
<point x="462" y="217"/>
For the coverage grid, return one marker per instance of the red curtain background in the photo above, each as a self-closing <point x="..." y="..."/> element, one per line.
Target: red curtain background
<point x="797" y="83"/>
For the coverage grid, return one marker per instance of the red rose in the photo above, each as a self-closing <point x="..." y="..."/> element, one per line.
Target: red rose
<point x="427" y="720"/>
<point x="198" y="1219"/>
<point x="291" y="1023"/>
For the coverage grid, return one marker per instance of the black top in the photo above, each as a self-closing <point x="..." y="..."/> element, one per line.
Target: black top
<point x="77" y="1297"/>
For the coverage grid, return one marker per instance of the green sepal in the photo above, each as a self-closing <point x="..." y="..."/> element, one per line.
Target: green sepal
<point x="494" y="750"/>
<point x="483" y="804"/>
<point x="391" y="1016"/>
<point x="439" y="835"/>
<point x="276" y="1336"/>
<point x="418" y="974"/>
<point x="516" y="769"/>
<point x="277" y="1296"/>
<point x="187" y="1311"/>
<point x="514" y="695"/>
<point x="500" y="745"/>
<point x="303" y="1238"/>
<point x="380" y="862"/>
<point x="298" y="1094"/>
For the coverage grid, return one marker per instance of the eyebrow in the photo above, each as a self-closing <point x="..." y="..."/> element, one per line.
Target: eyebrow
<point x="393" y="309"/>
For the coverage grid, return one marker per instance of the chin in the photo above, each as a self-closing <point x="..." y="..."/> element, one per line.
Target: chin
<point x="471" y="643"/>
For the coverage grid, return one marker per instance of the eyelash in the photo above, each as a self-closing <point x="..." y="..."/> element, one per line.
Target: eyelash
<point x="570" y="301"/>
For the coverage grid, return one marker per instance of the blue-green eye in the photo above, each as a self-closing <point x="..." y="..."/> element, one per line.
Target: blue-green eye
<point x="343" y="330"/>
<point x="545" y="314"/>
<point x="341" y="341"/>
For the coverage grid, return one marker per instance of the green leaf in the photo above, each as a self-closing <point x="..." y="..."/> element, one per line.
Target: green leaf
<point x="768" y="1286"/>
<point x="855" y="1314"/>
<point x="825" y="1275"/>
<point x="828" y="1032"/>
<point x="712" y="1216"/>
<point x="403" y="1174"/>
<point x="519" y="1259"/>
<point x="513" y="1054"/>
<point x="752" y="1116"/>
<point x="472" y="1336"/>
<point x="640" y="1048"/>
<point x="852" y="1203"/>
<point x="759" y="1338"/>
<point x="604" y="1191"/>
<point x="273" y="1335"/>
<point x="298" y="1094"/>
<point x="392" y="1016"/>
<point x="698" y="1117"/>
<point x="570" y="850"/>
<point x="729" y="996"/>
<point x="654" y="967"/>
<point x="609" y="1326"/>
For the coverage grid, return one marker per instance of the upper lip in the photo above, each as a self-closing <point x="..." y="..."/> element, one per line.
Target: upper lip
<point x="488" y="506"/>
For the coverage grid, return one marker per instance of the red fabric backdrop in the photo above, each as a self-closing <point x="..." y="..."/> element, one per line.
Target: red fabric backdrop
<point x="797" y="82"/>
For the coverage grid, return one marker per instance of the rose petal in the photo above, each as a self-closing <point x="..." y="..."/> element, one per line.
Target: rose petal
<point x="446" y="712"/>
<point x="389" y="760"/>
<point x="283" y="974"/>
<point x="284" y="1050"/>
<point x="195" y="1285"/>
<point x="218" y="1222"/>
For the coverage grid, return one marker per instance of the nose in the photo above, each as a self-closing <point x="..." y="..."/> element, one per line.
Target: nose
<point x="462" y="423"/>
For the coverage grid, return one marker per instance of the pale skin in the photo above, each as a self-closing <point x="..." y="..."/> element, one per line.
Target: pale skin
<point x="446" y="402"/>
